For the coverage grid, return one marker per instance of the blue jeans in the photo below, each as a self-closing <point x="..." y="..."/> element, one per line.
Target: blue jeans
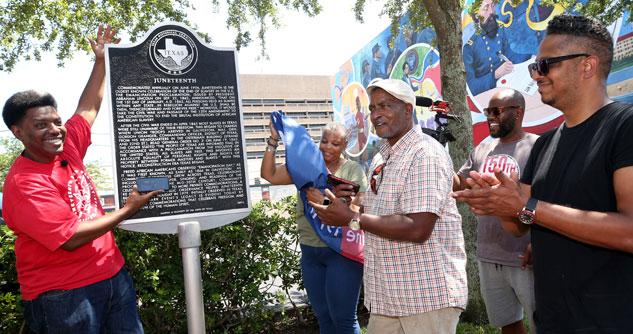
<point x="108" y="306"/>
<point x="333" y="285"/>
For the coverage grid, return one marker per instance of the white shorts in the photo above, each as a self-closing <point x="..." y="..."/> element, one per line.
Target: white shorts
<point x="507" y="292"/>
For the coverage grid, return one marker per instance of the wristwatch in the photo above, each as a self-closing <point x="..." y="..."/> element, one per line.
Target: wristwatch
<point x="527" y="215"/>
<point x="354" y="224"/>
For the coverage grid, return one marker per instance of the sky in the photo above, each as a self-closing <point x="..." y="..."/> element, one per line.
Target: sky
<point x="302" y="45"/>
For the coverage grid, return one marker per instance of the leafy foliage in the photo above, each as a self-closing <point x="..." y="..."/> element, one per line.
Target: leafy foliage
<point x="102" y="180"/>
<point x="605" y="11"/>
<point x="247" y="267"/>
<point x="10" y="306"/>
<point x="30" y="27"/>
<point x="11" y="149"/>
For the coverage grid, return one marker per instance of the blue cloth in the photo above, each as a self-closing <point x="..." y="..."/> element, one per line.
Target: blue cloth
<point x="304" y="160"/>
<point x="108" y="306"/>
<point x="333" y="285"/>
<point x="306" y="167"/>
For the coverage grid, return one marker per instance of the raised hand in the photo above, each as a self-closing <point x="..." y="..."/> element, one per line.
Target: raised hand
<point x="273" y="131"/>
<point x="104" y="36"/>
<point x="505" y="68"/>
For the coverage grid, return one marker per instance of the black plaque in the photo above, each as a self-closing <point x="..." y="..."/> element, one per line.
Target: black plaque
<point x="176" y="112"/>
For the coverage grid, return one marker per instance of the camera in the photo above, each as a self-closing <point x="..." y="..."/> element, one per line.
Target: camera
<point x="442" y="115"/>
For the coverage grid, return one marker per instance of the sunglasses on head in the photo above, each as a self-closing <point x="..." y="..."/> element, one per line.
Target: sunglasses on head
<point x="373" y="181"/>
<point x="496" y="111"/>
<point x="542" y="66"/>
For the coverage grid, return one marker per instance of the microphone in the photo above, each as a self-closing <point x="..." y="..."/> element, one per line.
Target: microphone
<point x="440" y="107"/>
<point x="422" y="101"/>
<point x="64" y="163"/>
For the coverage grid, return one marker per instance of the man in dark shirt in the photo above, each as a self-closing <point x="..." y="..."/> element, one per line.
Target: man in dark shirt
<point x="576" y="191"/>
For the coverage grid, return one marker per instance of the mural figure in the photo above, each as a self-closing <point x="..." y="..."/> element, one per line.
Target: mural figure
<point x="406" y="75"/>
<point x="366" y="75"/>
<point x="376" y="66"/>
<point x="487" y="54"/>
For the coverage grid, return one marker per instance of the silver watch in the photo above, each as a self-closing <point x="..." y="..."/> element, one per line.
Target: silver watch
<point x="354" y="224"/>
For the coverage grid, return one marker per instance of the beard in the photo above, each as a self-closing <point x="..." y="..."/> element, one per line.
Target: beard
<point x="504" y="129"/>
<point x="490" y="26"/>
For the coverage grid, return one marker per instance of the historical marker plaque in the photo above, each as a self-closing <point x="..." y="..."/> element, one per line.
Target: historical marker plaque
<point x="175" y="111"/>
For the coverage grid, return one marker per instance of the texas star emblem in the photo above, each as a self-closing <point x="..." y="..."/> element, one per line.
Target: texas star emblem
<point x="173" y="52"/>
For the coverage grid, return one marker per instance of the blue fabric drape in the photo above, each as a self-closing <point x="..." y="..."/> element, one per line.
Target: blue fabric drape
<point x="307" y="169"/>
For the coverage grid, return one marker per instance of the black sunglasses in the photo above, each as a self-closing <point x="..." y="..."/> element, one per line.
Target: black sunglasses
<point x="542" y="66"/>
<point x="496" y="111"/>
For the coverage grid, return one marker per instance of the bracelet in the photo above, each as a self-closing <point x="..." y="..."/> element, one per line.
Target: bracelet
<point x="271" y="148"/>
<point x="272" y="141"/>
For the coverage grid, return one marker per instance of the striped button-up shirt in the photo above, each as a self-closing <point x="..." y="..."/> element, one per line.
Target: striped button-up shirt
<point x="405" y="278"/>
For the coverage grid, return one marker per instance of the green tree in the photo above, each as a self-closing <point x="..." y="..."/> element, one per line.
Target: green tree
<point x="10" y="148"/>
<point x="30" y="27"/>
<point x="101" y="178"/>
<point x="605" y="11"/>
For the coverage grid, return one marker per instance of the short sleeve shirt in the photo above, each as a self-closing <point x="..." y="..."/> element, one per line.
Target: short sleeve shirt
<point x="580" y="287"/>
<point x="43" y="205"/>
<point x="494" y="244"/>
<point x="405" y="278"/>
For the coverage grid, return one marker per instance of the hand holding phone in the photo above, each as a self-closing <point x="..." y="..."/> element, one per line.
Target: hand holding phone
<point x="334" y="181"/>
<point x="147" y="184"/>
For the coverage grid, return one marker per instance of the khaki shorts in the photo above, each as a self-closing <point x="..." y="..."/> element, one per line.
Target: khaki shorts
<point x="442" y="321"/>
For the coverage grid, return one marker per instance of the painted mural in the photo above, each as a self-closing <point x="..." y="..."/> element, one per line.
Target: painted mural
<point x="499" y="41"/>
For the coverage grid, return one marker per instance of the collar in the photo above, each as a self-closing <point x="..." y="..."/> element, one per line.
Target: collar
<point x="386" y="150"/>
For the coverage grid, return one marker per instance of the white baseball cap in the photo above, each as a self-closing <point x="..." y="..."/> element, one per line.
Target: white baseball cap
<point x="397" y="88"/>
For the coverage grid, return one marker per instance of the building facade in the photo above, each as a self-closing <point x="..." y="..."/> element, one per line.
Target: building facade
<point x="304" y="98"/>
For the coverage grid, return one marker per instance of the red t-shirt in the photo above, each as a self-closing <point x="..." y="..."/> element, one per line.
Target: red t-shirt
<point x="43" y="204"/>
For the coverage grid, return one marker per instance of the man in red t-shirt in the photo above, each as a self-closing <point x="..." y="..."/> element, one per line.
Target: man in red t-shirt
<point x="70" y="270"/>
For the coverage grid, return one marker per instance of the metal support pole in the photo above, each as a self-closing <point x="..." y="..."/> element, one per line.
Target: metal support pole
<point x="189" y="242"/>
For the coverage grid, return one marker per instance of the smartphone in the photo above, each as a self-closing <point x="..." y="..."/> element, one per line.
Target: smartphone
<point x="335" y="181"/>
<point x="147" y="184"/>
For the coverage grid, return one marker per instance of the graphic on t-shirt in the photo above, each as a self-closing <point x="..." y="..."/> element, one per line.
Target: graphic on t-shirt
<point x="83" y="196"/>
<point x="506" y="163"/>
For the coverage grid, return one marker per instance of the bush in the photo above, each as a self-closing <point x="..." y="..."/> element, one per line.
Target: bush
<point x="10" y="306"/>
<point x="239" y="262"/>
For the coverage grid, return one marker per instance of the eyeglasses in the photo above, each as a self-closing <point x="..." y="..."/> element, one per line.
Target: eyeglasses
<point x="375" y="175"/>
<point x="542" y="66"/>
<point x="496" y="111"/>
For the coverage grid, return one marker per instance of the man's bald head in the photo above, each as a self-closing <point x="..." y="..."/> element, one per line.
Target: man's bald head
<point x="505" y="114"/>
<point x="510" y="97"/>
